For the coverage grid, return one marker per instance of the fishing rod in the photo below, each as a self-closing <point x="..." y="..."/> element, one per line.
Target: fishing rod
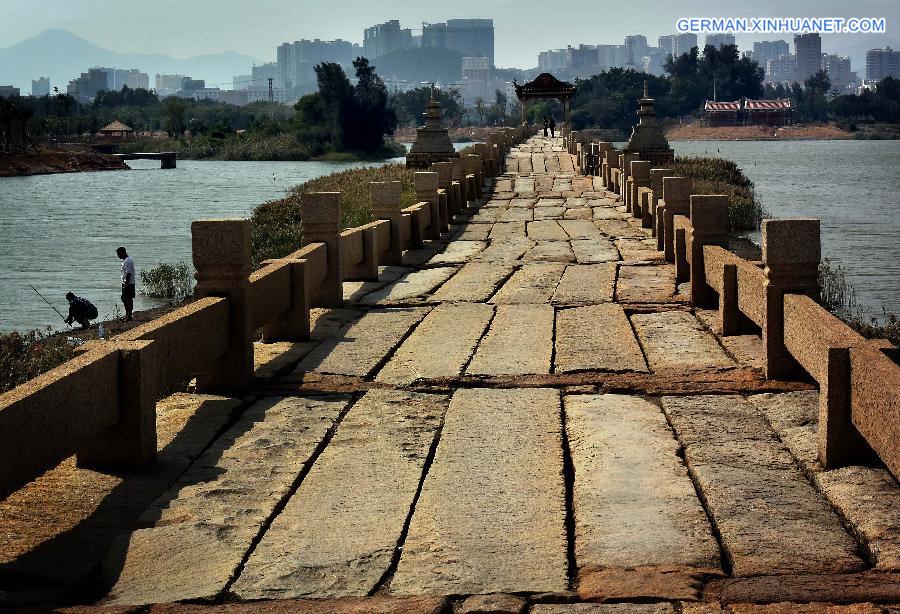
<point x="49" y="303"/>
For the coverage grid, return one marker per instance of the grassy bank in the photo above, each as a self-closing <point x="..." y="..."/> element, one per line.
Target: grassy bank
<point x="24" y="356"/>
<point x="718" y="176"/>
<point x="254" y="147"/>
<point x="275" y="225"/>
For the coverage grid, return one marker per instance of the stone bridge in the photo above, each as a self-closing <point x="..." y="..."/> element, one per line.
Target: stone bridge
<point x="520" y="405"/>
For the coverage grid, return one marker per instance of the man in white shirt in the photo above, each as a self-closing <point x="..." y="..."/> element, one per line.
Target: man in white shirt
<point x="128" y="282"/>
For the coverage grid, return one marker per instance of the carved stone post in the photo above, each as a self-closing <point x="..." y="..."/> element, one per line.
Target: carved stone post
<point x="427" y="191"/>
<point x="709" y="226"/>
<point x="445" y="182"/>
<point x="320" y="214"/>
<point x="459" y="177"/>
<point x="640" y="178"/>
<point x="386" y="206"/>
<point x="221" y="256"/>
<point x="791" y="251"/>
<point x="676" y="200"/>
<point x="656" y="185"/>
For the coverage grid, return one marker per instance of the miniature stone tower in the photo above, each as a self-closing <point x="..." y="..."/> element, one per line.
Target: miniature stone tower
<point x="432" y="141"/>
<point x="647" y="139"/>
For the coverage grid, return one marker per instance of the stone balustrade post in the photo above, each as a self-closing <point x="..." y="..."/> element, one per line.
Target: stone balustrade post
<point x="426" y="183"/>
<point x="648" y="220"/>
<point x="130" y="443"/>
<point x="709" y="226"/>
<point x="386" y="205"/>
<point x="625" y="160"/>
<point x="791" y="252"/>
<point x="459" y="176"/>
<point x="221" y="256"/>
<point x="638" y="178"/>
<point x="474" y="166"/>
<point x="320" y="215"/>
<point x="676" y="200"/>
<point x="445" y="182"/>
<point x="610" y="161"/>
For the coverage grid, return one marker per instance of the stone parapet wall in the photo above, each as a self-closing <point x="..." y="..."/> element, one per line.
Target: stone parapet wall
<point x="101" y="405"/>
<point x="859" y="412"/>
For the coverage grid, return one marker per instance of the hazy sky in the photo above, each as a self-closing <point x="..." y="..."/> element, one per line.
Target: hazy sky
<point x="183" y="28"/>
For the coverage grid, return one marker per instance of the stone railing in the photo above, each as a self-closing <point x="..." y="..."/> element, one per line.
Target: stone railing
<point x="859" y="401"/>
<point x="101" y="405"/>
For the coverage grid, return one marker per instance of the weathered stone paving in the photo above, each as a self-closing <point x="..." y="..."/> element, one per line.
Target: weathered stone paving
<point x="526" y="416"/>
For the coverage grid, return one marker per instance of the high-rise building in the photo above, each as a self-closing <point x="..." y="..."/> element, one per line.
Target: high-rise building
<point x="167" y="85"/>
<point x="676" y="44"/>
<point x="763" y="51"/>
<point x="838" y="69"/>
<point x="553" y="60"/>
<point x="808" y="51"/>
<point x="86" y="86"/>
<point x="636" y="49"/>
<point x="611" y="56"/>
<point x="782" y="69"/>
<point x="471" y="37"/>
<point x="385" y="38"/>
<point x="296" y="61"/>
<point x="719" y="40"/>
<point x="881" y="63"/>
<point x="8" y="91"/>
<point x="41" y="87"/>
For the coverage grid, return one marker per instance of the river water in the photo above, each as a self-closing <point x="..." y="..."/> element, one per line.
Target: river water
<point x="60" y="232"/>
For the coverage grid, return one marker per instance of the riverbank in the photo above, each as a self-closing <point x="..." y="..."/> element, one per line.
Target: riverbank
<point x="255" y="148"/>
<point x="800" y="132"/>
<point x="53" y="161"/>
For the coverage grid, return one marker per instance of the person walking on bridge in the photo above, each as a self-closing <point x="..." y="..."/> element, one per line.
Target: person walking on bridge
<point x="545" y="125"/>
<point x="128" y="282"/>
<point x="552" y="128"/>
<point x="81" y="310"/>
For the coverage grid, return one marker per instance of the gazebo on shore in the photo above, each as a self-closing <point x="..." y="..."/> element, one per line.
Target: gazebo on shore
<point x="116" y="131"/>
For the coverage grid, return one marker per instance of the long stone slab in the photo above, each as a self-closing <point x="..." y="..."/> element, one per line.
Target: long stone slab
<point x="475" y="282"/>
<point x="634" y="502"/>
<point x="217" y="508"/>
<point x="440" y="346"/>
<point x="458" y="252"/>
<point x="518" y="342"/>
<point x="646" y="284"/>
<point x="546" y="230"/>
<point x="411" y="286"/>
<point x="676" y="341"/>
<point x="550" y="251"/>
<point x="363" y="346"/>
<point x="867" y="497"/>
<point x="532" y="283"/>
<point x="596" y="338"/>
<point x="770" y="518"/>
<point x="593" y="251"/>
<point x="337" y="535"/>
<point x="491" y="517"/>
<point x="579" y="228"/>
<point x="586" y="284"/>
<point x="504" y="250"/>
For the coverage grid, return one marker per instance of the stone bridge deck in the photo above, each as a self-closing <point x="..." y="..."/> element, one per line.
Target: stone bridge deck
<point x="529" y="408"/>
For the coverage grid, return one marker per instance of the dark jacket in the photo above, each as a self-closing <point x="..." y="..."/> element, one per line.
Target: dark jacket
<point x="82" y="309"/>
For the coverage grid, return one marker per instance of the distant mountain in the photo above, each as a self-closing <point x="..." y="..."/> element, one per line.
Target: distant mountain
<point x="61" y="56"/>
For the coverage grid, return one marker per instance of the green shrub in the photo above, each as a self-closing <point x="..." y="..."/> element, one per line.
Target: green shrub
<point x="24" y="356"/>
<point x="167" y="280"/>
<point x="275" y="229"/>
<point x="719" y="176"/>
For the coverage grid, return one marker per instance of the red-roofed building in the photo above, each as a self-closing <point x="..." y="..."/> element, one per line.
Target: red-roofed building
<point x="746" y="112"/>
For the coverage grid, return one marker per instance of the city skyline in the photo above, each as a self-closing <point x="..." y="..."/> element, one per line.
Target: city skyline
<point x="521" y="33"/>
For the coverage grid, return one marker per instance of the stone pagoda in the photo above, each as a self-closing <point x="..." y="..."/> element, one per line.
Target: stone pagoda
<point x="432" y="140"/>
<point x="647" y="138"/>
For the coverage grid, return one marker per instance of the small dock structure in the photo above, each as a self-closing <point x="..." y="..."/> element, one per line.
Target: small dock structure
<point x="167" y="158"/>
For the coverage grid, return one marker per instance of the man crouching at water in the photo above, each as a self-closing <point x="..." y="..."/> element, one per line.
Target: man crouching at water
<point x="81" y="310"/>
<point x="128" y="282"/>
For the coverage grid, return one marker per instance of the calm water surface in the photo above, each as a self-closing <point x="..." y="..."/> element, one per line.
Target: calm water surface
<point x="59" y="232"/>
<point x="852" y="186"/>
